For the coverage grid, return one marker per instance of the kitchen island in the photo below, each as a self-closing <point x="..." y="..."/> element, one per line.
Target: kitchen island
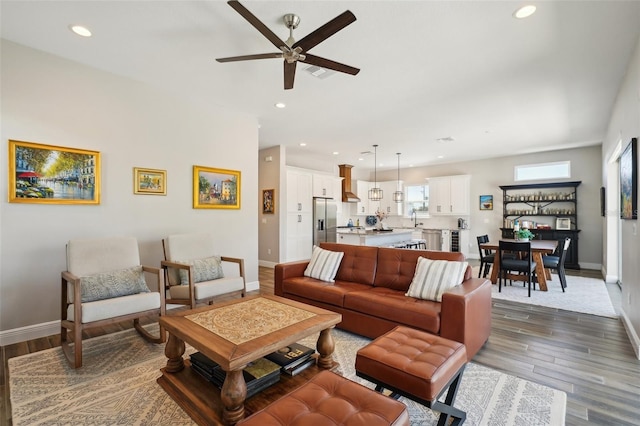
<point x="372" y="237"/>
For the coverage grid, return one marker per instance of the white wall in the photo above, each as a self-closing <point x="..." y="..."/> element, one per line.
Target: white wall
<point x="49" y="100"/>
<point x="624" y="125"/>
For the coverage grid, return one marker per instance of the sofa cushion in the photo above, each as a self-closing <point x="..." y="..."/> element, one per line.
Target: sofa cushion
<point x="323" y="264"/>
<point x="320" y="291"/>
<point x="108" y="285"/>
<point x="358" y="264"/>
<point x="396" y="267"/>
<point x="207" y="269"/>
<point x="434" y="277"/>
<point x="395" y="306"/>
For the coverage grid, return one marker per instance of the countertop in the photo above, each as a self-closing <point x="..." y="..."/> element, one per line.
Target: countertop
<point x="364" y="231"/>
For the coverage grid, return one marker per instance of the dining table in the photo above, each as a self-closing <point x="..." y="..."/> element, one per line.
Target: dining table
<point x="538" y="248"/>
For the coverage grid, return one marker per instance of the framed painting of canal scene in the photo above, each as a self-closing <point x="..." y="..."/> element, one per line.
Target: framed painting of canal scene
<point x="215" y="188"/>
<point x="47" y="174"/>
<point x="149" y="181"/>
<point x="629" y="181"/>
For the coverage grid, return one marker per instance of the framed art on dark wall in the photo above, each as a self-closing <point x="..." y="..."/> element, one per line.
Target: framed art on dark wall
<point x="268" y="201"/>
<point x="629" y="181"/>
<point x="48" y="174"/>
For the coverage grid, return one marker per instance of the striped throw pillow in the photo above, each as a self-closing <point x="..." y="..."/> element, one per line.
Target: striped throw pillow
<point x="433" y="277"/>
<point x="324" y="264"/>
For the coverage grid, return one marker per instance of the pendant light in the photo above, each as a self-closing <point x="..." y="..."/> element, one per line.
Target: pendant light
<point x="398" y="196"/>
<point x="375" y="193"/>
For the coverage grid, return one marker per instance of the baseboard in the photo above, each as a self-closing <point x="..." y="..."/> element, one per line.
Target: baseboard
<point x="22" y="334"/>
<point x="254" y="285"/>
<point x="592" y="266"/>
<point x="267" y="264"/>
<point x="633" y="336"/>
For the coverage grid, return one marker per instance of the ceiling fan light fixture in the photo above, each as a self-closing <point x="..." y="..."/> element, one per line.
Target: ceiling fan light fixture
<point x="524" y="11"/>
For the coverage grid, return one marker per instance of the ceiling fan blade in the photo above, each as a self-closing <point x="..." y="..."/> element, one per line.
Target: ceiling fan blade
<point x="250" y="57"/>
<point x="289" y="74"/>
<point x="264" y="30"/>
<point x="325" y="31"/>
<point x="329" y="64"/>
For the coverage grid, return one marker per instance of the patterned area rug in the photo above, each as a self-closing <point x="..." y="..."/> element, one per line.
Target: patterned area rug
<point x="117" y="385"/>
<point x="586" y="295"/>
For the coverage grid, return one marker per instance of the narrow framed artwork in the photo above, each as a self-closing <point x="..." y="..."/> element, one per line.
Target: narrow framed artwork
<point x="48" y="174"/>
<point x="563" y="223"/>
<point x="629" y="181"/>
<point x="215" y="188"/>
<point x="149" y="181"/>
<point x="486" y="202"/>
<point x="268" y="201"/>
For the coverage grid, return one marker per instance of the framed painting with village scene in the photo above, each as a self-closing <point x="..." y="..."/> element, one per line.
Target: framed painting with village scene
<point x="215" y="188"/>
<point x="149" y="181"/>
<point x="48" y="174"/>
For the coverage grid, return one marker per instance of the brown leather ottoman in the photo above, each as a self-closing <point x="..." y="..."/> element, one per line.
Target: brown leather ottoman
<point x="416" y="365"/>
<point x="329" y="400"/>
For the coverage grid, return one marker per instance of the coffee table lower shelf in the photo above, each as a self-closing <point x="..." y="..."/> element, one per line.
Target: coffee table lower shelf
<point x="200" y="399"/>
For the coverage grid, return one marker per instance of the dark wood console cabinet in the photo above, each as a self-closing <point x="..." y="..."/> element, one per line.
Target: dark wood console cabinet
<point x="550" y="204"/>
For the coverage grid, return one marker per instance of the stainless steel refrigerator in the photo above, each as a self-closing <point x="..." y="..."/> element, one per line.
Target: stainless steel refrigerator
<point x="324" y="220"/>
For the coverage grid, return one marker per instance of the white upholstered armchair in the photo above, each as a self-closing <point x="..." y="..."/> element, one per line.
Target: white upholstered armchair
<point x="105" y="275"/>
<point x="194" y="273"/>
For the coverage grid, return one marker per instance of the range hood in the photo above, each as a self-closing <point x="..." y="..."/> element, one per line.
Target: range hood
<point x="347" y="195"/>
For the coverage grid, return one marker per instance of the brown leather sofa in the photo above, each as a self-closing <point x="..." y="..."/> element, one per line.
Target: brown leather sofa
<point x="369" y="292"/>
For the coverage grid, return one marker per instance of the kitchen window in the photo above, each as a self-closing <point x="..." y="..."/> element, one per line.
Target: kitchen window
<point x="417" y="197"/>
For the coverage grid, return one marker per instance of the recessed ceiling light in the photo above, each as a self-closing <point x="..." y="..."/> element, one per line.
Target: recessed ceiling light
<point x="280" y="105"/>
<point x="80" y="30"/>
<point x="303" y="144"/>
<point x="440" y="156"/>
<point x="335" y="153"/>
<point x="360" y="159"/>
<point x="524" y="11"/>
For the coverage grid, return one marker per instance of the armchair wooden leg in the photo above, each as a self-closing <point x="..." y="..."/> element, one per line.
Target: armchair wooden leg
<point x="74" y="356"/>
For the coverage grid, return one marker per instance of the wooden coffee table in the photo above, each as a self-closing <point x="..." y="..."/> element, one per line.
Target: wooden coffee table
<point x="233" y="334"/>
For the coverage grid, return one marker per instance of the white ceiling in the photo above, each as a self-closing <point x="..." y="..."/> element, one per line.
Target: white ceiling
<point x="429" y="69"/>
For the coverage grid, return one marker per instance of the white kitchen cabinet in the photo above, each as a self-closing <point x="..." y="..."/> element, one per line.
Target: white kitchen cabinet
<point x="387" y="205"/>
<point x="325" y="186"/>
<point x="299" y="227"/>
<point x="365" y="206"/>
<point x="449" y="195"/>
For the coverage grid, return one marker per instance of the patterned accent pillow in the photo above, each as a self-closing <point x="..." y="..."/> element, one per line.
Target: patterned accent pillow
<point x="324" y="264"/>
<point x="207" y="269"/>
<point x="108" y="285"/>
<point x="433" y="277"/>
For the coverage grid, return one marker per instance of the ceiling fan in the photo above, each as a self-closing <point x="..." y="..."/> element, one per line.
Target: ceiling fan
<point x="293" y="51"/>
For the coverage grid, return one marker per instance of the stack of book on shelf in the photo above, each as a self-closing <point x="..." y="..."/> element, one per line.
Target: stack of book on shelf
<point x="293" y="358"/>
<point x="258" y="375"/>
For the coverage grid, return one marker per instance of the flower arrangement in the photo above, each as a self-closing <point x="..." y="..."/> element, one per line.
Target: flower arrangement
<point x="381" y="215"/>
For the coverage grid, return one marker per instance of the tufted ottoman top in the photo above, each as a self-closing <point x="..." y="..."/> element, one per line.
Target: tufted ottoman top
<point x="329" y="400"/>
<point x="413" y="361"/>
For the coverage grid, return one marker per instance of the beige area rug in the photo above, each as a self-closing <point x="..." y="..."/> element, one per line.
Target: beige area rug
<point x="117" y="385"/>
<point x="586" y="295"/>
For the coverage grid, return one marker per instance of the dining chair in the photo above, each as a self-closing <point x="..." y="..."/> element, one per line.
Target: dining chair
<point x="522" y="263"/>
<point x="486" y="256"/>
<point x="557" y="263"/>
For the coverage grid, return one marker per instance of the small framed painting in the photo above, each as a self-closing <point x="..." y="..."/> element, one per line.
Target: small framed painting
<point x="486" y="202"/>
<point x="215" y="188"/>
<point x="268" y="201"/>
<point x="563" y="223"/>
<point x="149" y="181"/>
<point x="47" y="174"/>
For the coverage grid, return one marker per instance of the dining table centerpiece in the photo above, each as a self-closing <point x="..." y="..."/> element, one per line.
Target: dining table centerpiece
<point x="524" y="235"/>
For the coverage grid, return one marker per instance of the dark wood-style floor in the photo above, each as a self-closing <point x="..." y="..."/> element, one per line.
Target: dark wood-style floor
<point x="586" y="356"/>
